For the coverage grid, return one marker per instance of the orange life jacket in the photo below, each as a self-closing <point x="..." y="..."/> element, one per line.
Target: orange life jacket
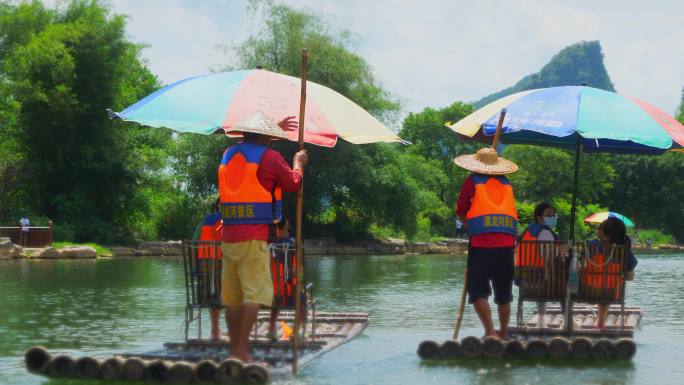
<point x="492" y="209"/>
<point x="598" y="274"/>
<point x="210" y="231"/>
<point x="283" y="274"/>
<point x="244" y="200"/>
<point x="528" y="254"/>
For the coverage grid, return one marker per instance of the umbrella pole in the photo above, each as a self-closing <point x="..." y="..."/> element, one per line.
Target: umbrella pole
<point x="575" y="182"/>
<point x="299" y="273"/>
<point x="568" y="316"/>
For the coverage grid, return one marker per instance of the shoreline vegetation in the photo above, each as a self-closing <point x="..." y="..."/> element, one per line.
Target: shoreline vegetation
<point x="312" y="248"/>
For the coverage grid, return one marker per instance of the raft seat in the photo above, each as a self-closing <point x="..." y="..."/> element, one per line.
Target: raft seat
<point x="202" y="267"/>
<point x="540" y="272"/>
<point x="602" y="277"/>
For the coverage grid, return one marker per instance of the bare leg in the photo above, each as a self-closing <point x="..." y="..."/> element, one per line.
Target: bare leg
<point x="504" y="318"/>
<point x="541" y="311"/>
<point x="234" y="319"/>
<point x="602" y="315"/>
<point x="215" y="315"/>
<point x="485" y="313"/>
<point x="272" y="326"/>
<point x="249" y="313"/>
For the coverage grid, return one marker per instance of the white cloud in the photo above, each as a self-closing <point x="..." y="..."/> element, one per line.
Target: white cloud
<point x="432" y="53"/>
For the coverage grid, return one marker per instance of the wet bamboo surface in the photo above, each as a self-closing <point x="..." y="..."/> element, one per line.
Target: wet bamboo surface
<point x="551" y="341"/>
<point x="585" y="322"/>
<point x="207" y="360"/>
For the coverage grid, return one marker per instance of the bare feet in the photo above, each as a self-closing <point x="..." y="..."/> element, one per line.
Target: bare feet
<point x="242" y="357"/>
<point x="502" y="335"/>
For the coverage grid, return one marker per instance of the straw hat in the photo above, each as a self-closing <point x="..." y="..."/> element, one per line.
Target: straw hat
<point x="258" y="123"/>
<point x="487" y="162"/>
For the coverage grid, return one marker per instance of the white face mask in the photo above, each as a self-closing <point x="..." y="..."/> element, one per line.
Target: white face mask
<point x="551" y="221"/>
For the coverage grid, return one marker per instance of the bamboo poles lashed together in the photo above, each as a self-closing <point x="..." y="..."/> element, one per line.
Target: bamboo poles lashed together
<point x="298" y="236"/>
<point x="461" y="309"/>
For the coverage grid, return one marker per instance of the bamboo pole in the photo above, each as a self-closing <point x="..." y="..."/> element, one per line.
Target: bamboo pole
<point x="499" y="126"/>
<point x="459" y="319"/>
<point x="300" y="205"/>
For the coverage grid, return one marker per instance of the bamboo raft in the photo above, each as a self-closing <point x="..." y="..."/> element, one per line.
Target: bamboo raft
<point x="551" y="341"/>
<point x="206" y="361"/>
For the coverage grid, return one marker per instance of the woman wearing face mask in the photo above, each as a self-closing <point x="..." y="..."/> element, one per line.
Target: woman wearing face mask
<point x="545" y="219"/>
<point x="610" y="232"/>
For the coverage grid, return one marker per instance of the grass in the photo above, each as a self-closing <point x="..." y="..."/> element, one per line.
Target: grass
<point x="101" y="250"/>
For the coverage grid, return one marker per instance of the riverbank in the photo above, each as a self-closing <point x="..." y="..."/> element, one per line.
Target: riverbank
<point x="312" y="247"/>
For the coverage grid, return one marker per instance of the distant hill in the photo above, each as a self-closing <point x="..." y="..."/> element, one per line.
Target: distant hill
<point x="576" y="64"/>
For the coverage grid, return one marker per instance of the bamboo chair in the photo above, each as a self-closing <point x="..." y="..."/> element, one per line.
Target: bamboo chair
<point x="602" y="276"/>
<point x="202" y="267"/>
<point x="540" y="273"/>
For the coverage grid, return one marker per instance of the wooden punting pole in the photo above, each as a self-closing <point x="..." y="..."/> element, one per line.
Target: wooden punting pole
<point x="300" y="206"/>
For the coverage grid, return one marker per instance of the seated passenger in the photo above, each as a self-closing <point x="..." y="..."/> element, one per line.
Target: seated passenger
<point x="283" y="271"/>
<point x="611" y="232"/>
<point x="545" y="219"/>
<point x="209" y="229"/>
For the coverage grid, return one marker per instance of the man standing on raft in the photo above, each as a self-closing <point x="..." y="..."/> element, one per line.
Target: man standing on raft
<point x="252" y="178"/>
<point x="487" y="208"/>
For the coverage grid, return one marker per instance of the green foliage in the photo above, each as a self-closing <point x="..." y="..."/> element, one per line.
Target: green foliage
<point x="432" y="140"/>
<point x="547" y="173"/>
<point x="576" y="64"/>
<point x="99" y="249"/>
<point x="654" y="236"/>
<point x="649" y="191"/>
<point x="583" y="231"/>
<point x="62" y="70"/>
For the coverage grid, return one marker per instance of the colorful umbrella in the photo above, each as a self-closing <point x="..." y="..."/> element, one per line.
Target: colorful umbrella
<point x="601" y="121"/>
<point x="579" y="117"/>
<point x="208" y="103"/>
<point x="602" y="216"/>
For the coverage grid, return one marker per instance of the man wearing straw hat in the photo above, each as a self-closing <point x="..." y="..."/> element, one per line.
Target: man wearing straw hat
<point x="487" y="208"/>
<point x="252" y="178"/>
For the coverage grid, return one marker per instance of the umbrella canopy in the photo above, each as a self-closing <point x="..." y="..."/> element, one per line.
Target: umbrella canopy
<point x="209" y="103"/>
<point x="601" y="121"/>
<point x="602" y="216"/>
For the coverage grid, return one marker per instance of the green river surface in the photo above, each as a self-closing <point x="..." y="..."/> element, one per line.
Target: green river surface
<point x="104" y="306"/>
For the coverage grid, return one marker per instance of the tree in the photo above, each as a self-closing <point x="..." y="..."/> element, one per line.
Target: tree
<point x="648" y="190"/>
<point x="348" y="188"/>
<point x="547" y="173"/>
<point x="432" y="140"/>
<point x="64" y="69"/>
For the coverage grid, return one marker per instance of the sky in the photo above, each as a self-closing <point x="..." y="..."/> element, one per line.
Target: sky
<point x="430" y="53"/>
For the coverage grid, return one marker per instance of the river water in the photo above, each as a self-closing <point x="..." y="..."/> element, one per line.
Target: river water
<point x="114" y="305"/>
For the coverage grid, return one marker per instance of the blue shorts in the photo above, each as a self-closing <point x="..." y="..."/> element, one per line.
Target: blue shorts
<point x="490" y="264"/>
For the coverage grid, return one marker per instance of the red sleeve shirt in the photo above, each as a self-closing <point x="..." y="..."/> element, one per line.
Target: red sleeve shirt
<point x="465" y="199"/>
<point x="273" y="170"/>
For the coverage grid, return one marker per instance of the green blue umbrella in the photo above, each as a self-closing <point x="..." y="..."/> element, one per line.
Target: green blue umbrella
<point x="602" y="216"/>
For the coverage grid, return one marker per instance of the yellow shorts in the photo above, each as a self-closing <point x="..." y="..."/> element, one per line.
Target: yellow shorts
<point x="246" y="273"/>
